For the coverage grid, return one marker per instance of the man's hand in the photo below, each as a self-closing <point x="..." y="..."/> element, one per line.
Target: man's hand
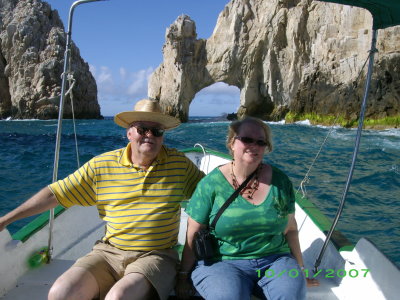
<point x="184" y="288"/>
<point x="38" y="203"/>
<point x="2" y="224"/>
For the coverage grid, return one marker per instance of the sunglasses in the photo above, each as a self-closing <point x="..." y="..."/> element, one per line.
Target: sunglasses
<point x="157" y="132"/>
<point x="249" y="140"/>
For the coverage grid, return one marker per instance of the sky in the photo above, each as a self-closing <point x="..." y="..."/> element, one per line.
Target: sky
<point x="122" y="41"/>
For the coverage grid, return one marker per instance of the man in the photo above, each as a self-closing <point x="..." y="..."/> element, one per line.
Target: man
<point x="137" y="190"/>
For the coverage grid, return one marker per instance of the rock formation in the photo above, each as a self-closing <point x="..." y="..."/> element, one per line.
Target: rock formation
<point x="32" y="45"/>
<point x="301" y="56"/>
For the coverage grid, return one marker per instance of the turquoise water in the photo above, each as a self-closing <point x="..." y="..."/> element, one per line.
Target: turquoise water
<point x="27" y="153"/>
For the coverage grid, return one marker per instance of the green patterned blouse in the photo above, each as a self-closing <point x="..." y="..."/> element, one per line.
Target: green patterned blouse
<point x="245" y="230"/>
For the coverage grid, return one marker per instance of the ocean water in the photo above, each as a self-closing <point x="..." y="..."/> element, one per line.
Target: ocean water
<point x="371" y="210"/>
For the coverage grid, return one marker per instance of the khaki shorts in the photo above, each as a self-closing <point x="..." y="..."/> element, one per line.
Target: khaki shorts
<point x="109" y="264"/>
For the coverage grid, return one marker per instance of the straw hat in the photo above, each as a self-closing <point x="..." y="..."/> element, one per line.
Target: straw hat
<point x="146" y="110"/>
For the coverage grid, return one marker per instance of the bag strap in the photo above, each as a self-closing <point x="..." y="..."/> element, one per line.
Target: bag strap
<point x="230" y="199"/>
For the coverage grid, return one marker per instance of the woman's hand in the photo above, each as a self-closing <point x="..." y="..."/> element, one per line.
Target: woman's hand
<point x="184" y="288"/>
<point x="312" y="282"/>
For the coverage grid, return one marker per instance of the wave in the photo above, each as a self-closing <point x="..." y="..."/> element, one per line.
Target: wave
<point x="395" y="168"/>
<point x="386" y="132"/>
<point x="9" y="119"/>
<point x="281" y="122"/>
<point x="329" y="127"/>
<point x="304" y="122"/>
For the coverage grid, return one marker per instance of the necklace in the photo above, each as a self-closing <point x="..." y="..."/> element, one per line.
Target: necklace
<point x="251" y="187"/>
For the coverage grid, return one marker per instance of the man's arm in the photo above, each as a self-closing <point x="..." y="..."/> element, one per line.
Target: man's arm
<point x="184" y="288"/>
<point x="38" y="203"/>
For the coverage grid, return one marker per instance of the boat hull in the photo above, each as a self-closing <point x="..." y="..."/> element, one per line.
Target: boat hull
<point x="346" y="271"/>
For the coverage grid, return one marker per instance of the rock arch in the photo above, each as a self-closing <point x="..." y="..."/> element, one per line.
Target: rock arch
<point x="301" y="56"/>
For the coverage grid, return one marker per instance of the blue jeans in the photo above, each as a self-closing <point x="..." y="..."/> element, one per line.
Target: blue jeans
<point x="272" y="277"/>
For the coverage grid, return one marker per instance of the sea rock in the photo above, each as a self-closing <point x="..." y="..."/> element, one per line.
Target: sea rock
<point x="32" y="46"/>
<point x="285" y="56"/>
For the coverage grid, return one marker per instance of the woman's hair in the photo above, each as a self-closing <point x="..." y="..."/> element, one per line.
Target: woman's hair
<point x="235" y="126"/>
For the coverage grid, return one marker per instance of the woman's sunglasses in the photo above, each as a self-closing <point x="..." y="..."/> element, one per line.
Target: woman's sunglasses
<point x="157" y="132"/>
<point x="249" y="140"/>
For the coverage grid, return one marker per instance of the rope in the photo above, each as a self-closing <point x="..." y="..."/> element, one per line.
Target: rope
<point x="306" y="179"/>
<point x="205" y="157"/>
<point x="60" y="117"/>
<point x="71" y="81"/>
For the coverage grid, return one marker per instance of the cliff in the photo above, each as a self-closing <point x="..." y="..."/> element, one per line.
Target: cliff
<point x="32" y="46"/>
<point x="297" y="56"/>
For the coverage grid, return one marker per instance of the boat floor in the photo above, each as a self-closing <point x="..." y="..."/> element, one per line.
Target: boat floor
<point x="36" y="284"/>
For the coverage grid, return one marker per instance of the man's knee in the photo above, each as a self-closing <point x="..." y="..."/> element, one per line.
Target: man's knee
<point x="59" y="291"/>
<point x="132" y="286"/>
<point x="75" y="283"/>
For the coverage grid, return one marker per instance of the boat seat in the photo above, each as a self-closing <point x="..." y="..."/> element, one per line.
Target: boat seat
<point x="36" y="283"/>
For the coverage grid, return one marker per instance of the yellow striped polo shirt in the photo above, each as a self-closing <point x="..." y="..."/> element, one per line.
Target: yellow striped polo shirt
<point x="141" y="208"/>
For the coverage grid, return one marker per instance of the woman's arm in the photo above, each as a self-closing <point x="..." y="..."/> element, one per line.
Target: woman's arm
<point x="292" y="237"/>
<point x="184" y="287"/>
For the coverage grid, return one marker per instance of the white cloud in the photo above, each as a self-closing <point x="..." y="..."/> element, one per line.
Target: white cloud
<point x="139" y="82"/>
<point x="220" y="88"/>
<point x="123" y="73"/>
<point x="118" y="91"/>
<point x="215" y="100"/>
<point x="219" y="93"/>
<point x="104" y="80"/>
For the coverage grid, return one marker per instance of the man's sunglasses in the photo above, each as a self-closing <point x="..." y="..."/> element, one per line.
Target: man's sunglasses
<point x="157" y="132"/>
<point x="249" y="140"/>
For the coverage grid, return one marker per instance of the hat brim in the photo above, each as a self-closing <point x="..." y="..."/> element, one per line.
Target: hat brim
<point x="126" y="118"/>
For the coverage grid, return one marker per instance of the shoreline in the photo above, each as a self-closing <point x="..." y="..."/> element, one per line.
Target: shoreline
<point x="329" y="120"/>
<point x="313" y="119"/>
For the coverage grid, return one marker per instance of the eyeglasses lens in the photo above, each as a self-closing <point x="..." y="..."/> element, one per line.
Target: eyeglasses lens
<point x="157" y="132"/>
<point x="249" y="140"/>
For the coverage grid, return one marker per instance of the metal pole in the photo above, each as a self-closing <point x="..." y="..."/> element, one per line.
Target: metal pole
<point x="60" y="116"/>
<point x="356" y="148"/>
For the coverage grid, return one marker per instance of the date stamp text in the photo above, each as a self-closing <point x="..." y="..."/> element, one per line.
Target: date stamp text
<point x="322" y="273"/>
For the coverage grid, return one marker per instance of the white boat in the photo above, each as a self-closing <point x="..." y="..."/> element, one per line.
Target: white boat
<point x="345" y="271"/>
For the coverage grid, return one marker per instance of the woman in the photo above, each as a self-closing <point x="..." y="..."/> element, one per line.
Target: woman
<point x="257" y="234"/>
